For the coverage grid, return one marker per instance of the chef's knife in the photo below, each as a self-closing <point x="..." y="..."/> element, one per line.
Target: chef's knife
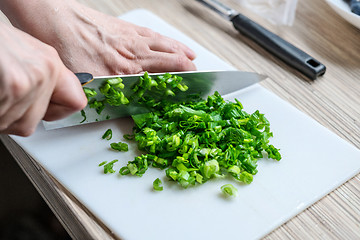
<point x="203" y="83"/>
<point x="284" y="50"/>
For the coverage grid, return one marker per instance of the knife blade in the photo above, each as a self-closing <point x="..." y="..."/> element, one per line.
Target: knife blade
<point x="273" y="43"/>
<point x="203" y="83"/>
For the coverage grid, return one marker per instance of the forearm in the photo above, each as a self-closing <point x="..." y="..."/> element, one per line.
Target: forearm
<point x="35" y="16"/>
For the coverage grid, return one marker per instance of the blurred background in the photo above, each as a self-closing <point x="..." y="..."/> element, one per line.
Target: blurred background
<point x="24" y="215"/>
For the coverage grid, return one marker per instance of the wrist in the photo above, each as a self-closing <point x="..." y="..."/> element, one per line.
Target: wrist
<point x="35" y="16"/>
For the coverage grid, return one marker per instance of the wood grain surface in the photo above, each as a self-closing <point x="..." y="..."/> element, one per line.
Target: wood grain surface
<point x="333" y="100"/>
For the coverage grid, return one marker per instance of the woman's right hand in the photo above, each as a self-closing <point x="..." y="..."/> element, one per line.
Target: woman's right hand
<point x="34" y="83"/>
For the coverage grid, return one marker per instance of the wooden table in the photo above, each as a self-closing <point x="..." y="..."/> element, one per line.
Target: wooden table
<point x="333" y="100"/>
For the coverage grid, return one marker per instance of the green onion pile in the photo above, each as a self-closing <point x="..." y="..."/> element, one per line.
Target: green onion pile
<point x="194" y="140"/>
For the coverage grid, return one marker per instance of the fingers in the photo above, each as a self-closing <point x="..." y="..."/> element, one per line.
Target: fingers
<point x="22" y="94"/>
<point x="56" y="112"/>
<point x="26" y="121"/>
<point x="161" y="43"/>
<point x="154" y="53"/>
<point x="166" y="54"/>
<point x="31" y="77"/>
<point x="167" y="62"/>
<point x="68" y="97"/>
<point x="15" y="112"/>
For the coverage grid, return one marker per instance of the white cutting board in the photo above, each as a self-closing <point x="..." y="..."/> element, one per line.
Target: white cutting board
<point x="315" y="161"/>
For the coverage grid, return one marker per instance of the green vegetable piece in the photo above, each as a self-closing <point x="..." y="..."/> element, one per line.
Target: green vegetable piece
<point x="116" y="83"/>
<point x="157" y="185"/>
<point x="103" y="163"/>
<point x="169" y="92"/>
<point x="132" y="168"/>
<point x="105" y="88"/>
<point x="210" y="168"/>
<point x="273" y="152"/>
<point x="98" y="105"/>
<point x="107" y="135"/>
<point x="129" y="137"/>
<point x="229" y="190"/>
<point x="108" y="167"/>
<point x="235" y="170"/>
<point x="173" y="143"/>
<point x="172" y="173"/>
<point x="184" y="178"/>
<point x="124" y="170"/>
<point x="120" y="146"/>
<point x="194" y="140"/>
<point x="89" y="92"/>
<point x="111" y="89"/>
<point x="246" y="177"/>
<point x="83" y="114"/>
<point x="182" y="87"/>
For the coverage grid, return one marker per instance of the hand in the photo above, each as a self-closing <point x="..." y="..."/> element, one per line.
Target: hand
<point x="106" y="45"/>
<point x="34" y="84"/>
<point x="90" y="41"/>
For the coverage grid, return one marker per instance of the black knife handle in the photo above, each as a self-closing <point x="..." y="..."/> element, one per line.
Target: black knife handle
<point x="284" y="50"/>
<point x="84" y="77"/>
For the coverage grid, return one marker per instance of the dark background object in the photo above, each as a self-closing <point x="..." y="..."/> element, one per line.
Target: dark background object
<point x="287" y="52"/>
<point x="24" y="215"/>
<point x="274" y="44"/>
<point x="355" y="6"/>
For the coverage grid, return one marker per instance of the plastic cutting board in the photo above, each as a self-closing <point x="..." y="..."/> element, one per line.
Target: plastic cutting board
<point x="315" y="161"/>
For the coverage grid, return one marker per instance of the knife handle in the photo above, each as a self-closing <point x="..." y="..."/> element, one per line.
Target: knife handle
<point x="84" y="77"/>
<point x="284" y="50"/>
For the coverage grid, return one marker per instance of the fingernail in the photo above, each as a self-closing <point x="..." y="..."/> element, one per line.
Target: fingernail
<point x="190" y="54"/>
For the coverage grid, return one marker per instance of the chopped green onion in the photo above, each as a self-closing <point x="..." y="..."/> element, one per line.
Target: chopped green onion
<point x="116" y="83"/>
<point x="157" y="185"/>
<point x="194" y="140"/>
<point x="108" y="167"/>
<point x="210" y="168"/>
<point x="129" y="137"/>
<point x="124" y="170"/>
<point x="132" y="168"/>
<point x="229" y="190"/>
<point x="120" y="146"/>
<point x="83" y="114"/>
<point x="89" y="92"/>
<point x="246" y="177"/>
<point x="107" y="135"/>
<point x="97" y="105"/>
<point x="103" y="163"/>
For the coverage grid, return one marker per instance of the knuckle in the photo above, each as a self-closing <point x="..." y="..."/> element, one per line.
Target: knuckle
<point x="50" y="60"/>
<point x="3" y="109"/>
<point x="140" y="48"/>
<point x="156" y="35"/>
<point x="174" y="46"/>
<point x="19" y="88"/>
<point x="22" y="128"/>
<point x="146" y="32"/>
<point x="134" y="67"/>
<point x="18" y="128"/>
<point x="51" y="51"/>
<point x="182" y="62"/>
<point x="130" y="68"/>
<point x="25" y="131"/>
<point x="3" y="127"/>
